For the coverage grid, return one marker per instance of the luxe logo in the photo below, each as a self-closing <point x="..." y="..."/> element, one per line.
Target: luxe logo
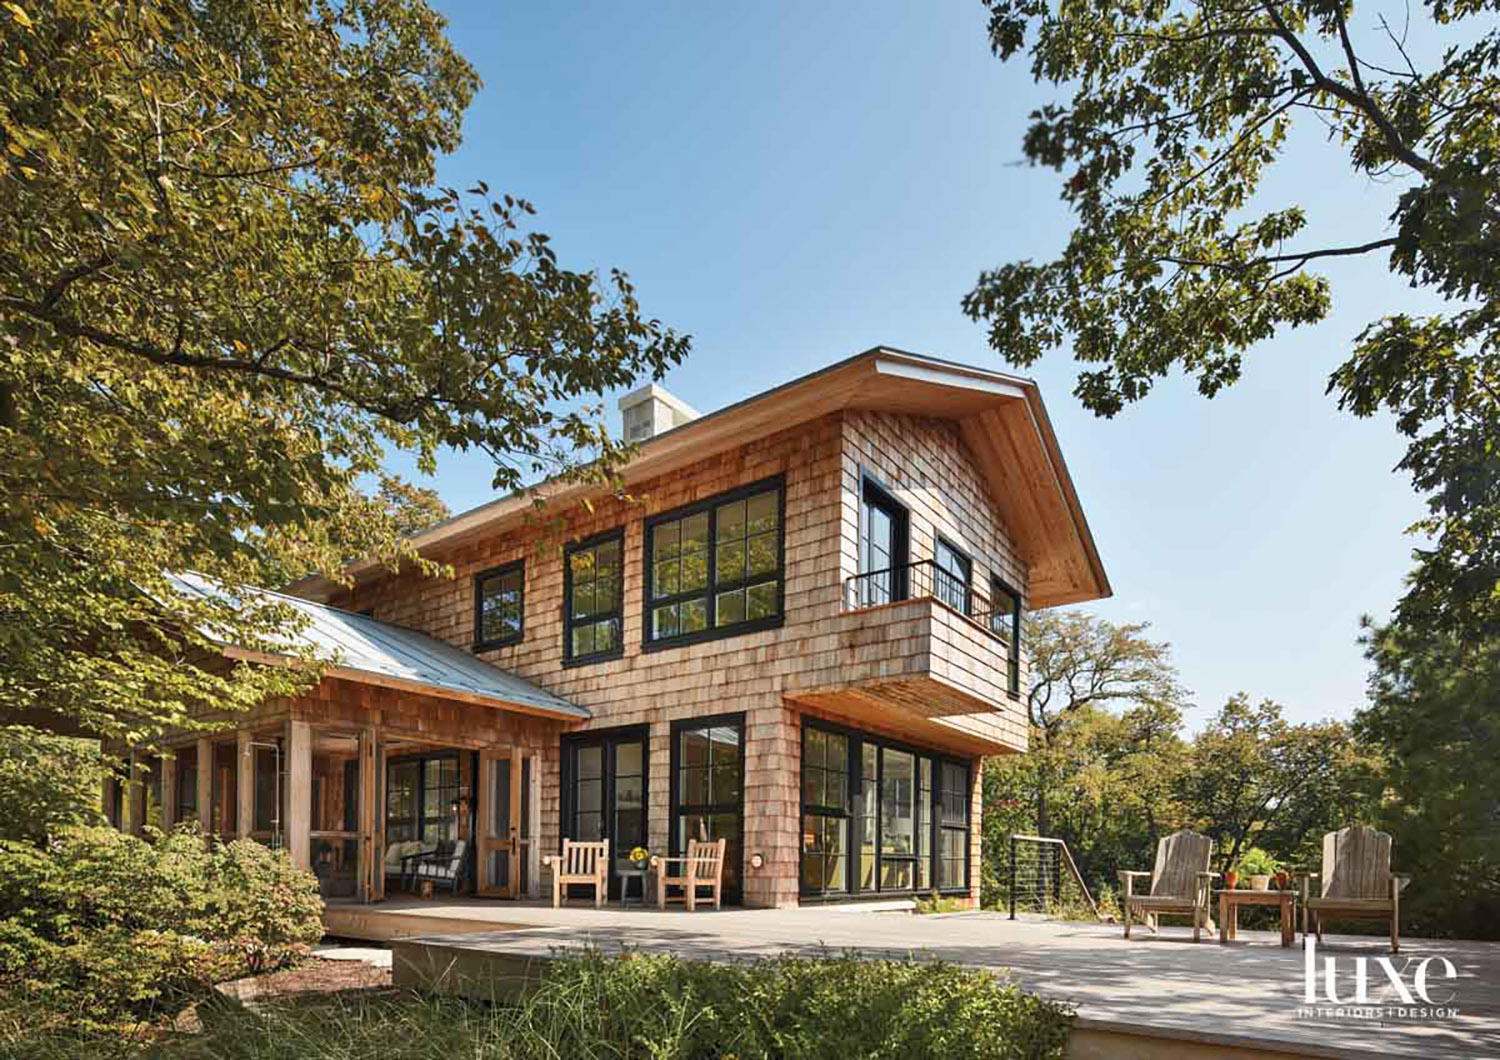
<point x="1417" y="992"/>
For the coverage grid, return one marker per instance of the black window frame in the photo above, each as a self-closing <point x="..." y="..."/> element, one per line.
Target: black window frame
<point x="828" y="811"/>
<point x="607" y="740"/>
<point x="940" y="824"/>
<point x="422" y="760"/>
<point x="874" y="493"/>
<point x="517" y="567"/>
<point x="618" y="614"/>
<point x="999" y="585"/>
<point x="675" y="808"/>
<point x="712" y="589"/>
<point x="932" y="824"/>
<point x="942" y="541"/>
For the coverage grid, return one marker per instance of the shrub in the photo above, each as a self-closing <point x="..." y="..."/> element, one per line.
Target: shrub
<point x="102" y="928"/>
<point x="47" y="782"/>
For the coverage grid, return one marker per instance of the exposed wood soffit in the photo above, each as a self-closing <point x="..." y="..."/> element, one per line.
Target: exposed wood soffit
<point x="1001" y="418"/>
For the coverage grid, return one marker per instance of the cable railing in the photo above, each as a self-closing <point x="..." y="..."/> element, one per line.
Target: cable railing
<point x="924" y="579"/>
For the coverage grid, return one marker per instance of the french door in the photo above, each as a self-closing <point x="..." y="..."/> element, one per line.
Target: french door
<point x="505" y="847"/>
<point x="604" y="792"/>
<point x="882" y="548"/>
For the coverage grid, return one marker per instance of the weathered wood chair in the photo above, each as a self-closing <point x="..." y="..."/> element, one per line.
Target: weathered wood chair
<point x="1355" y="883"/>
<point x="702" y="866"/>
<point x="579" y="863"/>
<point x="1180" y="883"/>
<point x="445" y="867"/>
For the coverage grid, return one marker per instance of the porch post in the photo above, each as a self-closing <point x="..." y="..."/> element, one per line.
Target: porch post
<point x="205" y="784"/>
<point x="107" y="799"/>
<point x="244" y="783"/>
<point x="299" y="792"/>
<point x="136" y="799"/>
<point x="167" y="762"/>
<point x="534" y="826"/>
<point x="371" y="869"/>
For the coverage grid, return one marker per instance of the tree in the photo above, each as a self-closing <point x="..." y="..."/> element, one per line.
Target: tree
<point x="1256" y="780"/>
<point x="1176" y="116"/>
<point x="1432" y="713"/>
<point x="47" y="783"/>
<point x="1079" y="661"/>
<point x="227" y="285"/>
<point x="411" y="508"/>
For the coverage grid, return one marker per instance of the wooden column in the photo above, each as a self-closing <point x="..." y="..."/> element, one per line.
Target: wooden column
<point x="297" y="820"/>
<point x="167" y="763"/>
<point x="534" y="827"/>
<point x="205" y="784"/>
<point x="244" y="783"/>
<point x="135" y="801"/>
<point x="107" y="799"/>
<point x="371" y="850"/>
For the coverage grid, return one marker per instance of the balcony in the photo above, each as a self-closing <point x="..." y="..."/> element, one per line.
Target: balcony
<point x="914" y="643"/>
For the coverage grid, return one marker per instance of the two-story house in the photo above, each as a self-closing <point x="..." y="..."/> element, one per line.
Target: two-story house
<point x="798" y="629"/>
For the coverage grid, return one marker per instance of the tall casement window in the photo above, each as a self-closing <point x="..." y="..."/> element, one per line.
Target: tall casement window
<point x="604" y="790"/>
<point x="419" y="794"/>
<point x="1006" y="621"/>
<point x="708" y="785"/>
<point x="593" y="572"/>
<point x="826" y="801"/>
<point x="952" y="578"/>
<point x="715" y="568"/>
<point x="499" y="606"/>
<point x="905" y="811"/>
<point x="953" y="830"/>
<point x="882" y="547"/>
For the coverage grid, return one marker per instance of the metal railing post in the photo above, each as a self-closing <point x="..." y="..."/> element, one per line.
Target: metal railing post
<point x="1012" y="877"/>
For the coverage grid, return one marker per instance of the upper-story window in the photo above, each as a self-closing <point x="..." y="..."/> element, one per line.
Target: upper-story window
<point x="499" y="605"/>
<point x="882" y="548"/>
<point x="715" y="568"/>
<point x="952" y="577"/>
<point x="1005" y="619"/>
<point x="593" y="575"/>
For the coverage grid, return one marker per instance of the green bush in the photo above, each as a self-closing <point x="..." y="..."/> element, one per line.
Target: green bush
<point x="47" y="783"/>
<point x="663" y="1008"/>
<point x="99" y="928"/>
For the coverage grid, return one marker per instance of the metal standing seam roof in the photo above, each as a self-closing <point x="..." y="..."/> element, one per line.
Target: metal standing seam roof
<point x="367" y="645"/>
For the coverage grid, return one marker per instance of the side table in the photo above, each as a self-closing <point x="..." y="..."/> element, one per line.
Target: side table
<point x="626" y="875"/>
<point x="1229" y="906"/>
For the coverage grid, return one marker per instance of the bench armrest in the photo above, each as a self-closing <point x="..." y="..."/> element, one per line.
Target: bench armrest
<point x="1400" y="880"/>
<point x="1133" y="875"/>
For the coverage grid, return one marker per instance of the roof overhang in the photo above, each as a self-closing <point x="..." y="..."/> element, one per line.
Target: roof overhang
<point x="1000" y="417"/>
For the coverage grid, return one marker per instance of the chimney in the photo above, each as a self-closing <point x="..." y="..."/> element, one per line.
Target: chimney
<point x="650" y="411"/>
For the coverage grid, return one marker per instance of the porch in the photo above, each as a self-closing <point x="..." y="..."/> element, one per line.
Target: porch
<point x="1157" y="997"/>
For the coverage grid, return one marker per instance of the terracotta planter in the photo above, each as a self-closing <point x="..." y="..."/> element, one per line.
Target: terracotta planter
<point x="1260" y="883"/>
<point x="1231" y="880"/>
<point x="1283" y="880"/>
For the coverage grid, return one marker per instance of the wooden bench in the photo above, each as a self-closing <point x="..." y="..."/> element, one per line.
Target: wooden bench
<point x="579" y="863"/>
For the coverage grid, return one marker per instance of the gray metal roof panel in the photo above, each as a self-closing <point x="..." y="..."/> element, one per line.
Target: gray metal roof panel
<point x="356" y="642"/>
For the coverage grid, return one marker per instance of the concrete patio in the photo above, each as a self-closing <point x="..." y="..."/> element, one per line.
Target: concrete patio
<point x="1155" y="996"/>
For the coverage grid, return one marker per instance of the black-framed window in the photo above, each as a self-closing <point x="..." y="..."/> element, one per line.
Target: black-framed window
<point x="715" y="568"/>
<point x="605" y="776"/>
<point x="953" y="826"/>
<point x="826" y="818"/>
<point x="500" y="605"/>
<point x="708" y="789"/>
<point x="419" y="794"/>
<point x="594" y="577"/>
<point x="1005" y="619"/>
<point x="883" y="545"/>
<point x="954" y="574"/>
<point x="907" y="809"/>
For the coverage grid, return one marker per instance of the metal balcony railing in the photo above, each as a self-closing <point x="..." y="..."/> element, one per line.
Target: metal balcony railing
<point x="924" y="579"/>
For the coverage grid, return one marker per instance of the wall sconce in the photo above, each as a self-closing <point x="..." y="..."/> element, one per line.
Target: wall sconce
<point x="757" y="860"/>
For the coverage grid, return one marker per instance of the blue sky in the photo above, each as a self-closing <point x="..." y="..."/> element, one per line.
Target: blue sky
<point x="792" y="184"/>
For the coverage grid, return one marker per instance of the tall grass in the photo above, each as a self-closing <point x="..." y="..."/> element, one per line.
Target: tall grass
<point x="593" y="1007"/>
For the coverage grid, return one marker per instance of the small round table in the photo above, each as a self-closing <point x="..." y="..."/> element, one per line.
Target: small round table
<point x="1229" y="906"/>
<point x="626" y="875"/>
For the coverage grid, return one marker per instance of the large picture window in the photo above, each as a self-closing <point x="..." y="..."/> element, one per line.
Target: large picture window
<point x="419" y="793"/>
<point x="594" y="575"/>
<point x="906" y="809"/>
<point x="715" y="568"/>
<point x="708" y="773"/>
<point x="499" y="609"/>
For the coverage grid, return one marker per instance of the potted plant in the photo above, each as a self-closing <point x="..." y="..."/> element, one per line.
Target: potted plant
<point x="1283" y="879"/>
<point x="1259" y="867"/>
<point x="1231" y="879"/>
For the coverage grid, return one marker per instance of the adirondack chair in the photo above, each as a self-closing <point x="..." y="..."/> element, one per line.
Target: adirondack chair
<point x="1180" y="882"/>
<point x="703" y="866"/>
<point x="1356" y="882"/>
<point x="582" y="863"/>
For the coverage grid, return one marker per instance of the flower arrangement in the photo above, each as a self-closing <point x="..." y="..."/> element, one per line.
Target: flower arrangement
<point x="640" y="855"/>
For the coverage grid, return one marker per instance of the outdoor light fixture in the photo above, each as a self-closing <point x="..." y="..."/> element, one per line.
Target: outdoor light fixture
<point x="757" y="860"/>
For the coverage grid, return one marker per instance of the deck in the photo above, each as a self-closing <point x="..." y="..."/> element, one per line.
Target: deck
<point x="1157" y="996"/>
